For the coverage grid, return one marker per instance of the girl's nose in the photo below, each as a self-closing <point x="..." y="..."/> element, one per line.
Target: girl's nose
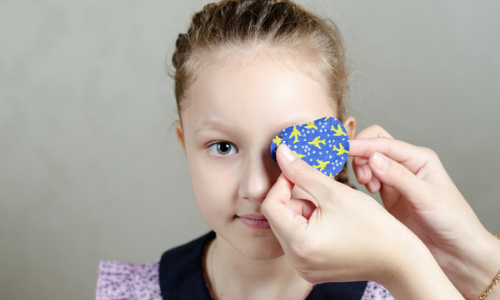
<point x="258" y="176"/>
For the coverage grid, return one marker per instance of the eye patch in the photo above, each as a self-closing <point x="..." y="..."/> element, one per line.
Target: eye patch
<point x="323" y="144"/>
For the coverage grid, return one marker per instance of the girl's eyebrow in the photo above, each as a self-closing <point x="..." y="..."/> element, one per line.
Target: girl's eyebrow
<point x="211" y="125"/>
<point x="298" y="121"/>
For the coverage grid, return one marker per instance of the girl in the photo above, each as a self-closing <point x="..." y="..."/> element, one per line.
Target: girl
<point x="244" y="71"/>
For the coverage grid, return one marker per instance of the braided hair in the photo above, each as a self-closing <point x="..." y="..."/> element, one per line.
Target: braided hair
<point x="279" y="24"/>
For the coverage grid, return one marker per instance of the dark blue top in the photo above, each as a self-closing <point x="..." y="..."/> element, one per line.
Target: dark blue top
<point x="181" y="276"/>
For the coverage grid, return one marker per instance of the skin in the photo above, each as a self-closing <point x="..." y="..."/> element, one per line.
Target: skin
<point x="416" y="189"/>
<point x="249" y="264"/>
<point x="418" y="193"/>
<point x="350" y="237"/>
<point x="246" y="101"/>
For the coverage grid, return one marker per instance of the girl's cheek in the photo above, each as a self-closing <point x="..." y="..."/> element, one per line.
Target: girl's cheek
<point x="207" y="167"/>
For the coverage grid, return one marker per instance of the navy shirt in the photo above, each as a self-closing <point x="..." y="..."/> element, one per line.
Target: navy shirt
<point x="181" y="276"/>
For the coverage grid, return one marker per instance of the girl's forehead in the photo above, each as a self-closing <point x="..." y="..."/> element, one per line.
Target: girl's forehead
<point x="251" y="91"/>
<point x="249" y="124"/>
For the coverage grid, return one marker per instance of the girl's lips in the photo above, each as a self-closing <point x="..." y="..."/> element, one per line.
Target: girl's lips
<point x="254" y="221"/>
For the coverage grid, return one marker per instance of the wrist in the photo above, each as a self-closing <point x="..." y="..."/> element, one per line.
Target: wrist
<point x="419" y="269"/>
<point x="473" y="267"/>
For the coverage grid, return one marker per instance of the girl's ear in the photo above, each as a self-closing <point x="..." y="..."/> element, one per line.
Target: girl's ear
<point x="180" y="135"/>
<point x="350" y="126"/>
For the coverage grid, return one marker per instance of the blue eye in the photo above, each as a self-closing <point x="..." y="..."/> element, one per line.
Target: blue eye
<point x="223" y="148"/>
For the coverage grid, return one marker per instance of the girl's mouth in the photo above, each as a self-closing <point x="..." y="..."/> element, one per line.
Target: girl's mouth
<point x="254" y="221"/>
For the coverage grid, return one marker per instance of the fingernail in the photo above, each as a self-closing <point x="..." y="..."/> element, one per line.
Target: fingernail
<point x="370" y="186"/>
<point x="287" y="153"/>
<point x="359" y="172"/>
<point x="380" y="162"/>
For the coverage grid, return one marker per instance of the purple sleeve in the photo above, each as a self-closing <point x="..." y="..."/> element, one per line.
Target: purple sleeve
<point x="375" y="291"/>
<point x="128" y="281"/>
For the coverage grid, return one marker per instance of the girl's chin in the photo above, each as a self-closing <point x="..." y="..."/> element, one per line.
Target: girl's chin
<point x="255" y="248"/>
<point x="264" y="251"/>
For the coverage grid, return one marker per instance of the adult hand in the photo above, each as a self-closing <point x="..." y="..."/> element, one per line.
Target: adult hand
<point x="416" y="189"/>
<point x="349" y="236"/>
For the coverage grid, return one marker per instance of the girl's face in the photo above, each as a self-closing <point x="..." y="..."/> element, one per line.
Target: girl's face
<point x="234" y="109"/>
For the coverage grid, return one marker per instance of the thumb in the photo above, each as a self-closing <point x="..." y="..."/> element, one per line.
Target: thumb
<point x="395" y="175"/>
<point x="284" y="221"/>
<point x="322" y="188"/>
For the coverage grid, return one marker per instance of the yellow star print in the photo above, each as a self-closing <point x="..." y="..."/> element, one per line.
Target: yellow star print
<point x="340" y="150"/>
<point x="277" y="140"/>
<point x="298" y="155"/>
<point x="311" y="125"/>
<point x="321" y="165"/>
<point x="296" y="134"/>
<point x="317" y="141"/>
<point x="338" y="131"/>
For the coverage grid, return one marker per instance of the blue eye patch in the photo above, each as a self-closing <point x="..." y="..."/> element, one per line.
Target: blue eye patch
<point x="323" y="144"/>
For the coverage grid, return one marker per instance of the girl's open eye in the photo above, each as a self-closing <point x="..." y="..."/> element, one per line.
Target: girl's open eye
<point x="223" y="148"/>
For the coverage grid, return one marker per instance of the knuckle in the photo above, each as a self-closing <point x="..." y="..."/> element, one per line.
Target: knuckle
<point x="378" y="130"/>
<point x="376" y="127"/>
<point x="429" y="153"/>
<point x="300" y="167"/>
<point x="398" y="173"/>
<point x="374" y="131"/>
<point x="370" y="131"/>
<point x="432" y="153"/>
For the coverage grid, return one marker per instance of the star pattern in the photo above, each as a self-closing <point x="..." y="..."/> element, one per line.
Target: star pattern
<point x="323" y="144"/>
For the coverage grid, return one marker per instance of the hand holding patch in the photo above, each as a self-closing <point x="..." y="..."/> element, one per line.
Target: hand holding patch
<point x="323" y="144"/>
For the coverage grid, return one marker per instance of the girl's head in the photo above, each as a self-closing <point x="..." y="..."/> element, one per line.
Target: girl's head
<point x="244" y="71"/>
<point x="279" y="28"/>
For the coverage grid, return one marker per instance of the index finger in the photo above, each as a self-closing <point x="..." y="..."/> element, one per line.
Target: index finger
<point x="410" y="156"/>
<point x="374" y="131"/>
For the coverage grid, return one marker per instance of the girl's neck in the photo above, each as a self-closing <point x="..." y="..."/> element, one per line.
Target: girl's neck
<point x="233" y="276"/>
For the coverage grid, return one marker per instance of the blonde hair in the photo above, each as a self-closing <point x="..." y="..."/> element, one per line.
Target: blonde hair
<point x="279" y="25"/>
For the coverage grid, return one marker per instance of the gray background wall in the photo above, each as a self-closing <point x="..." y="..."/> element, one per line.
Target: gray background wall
<point x="89" y="165"/>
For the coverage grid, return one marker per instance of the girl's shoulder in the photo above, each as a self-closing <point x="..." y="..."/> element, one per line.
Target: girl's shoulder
<point x="119" y="280"/>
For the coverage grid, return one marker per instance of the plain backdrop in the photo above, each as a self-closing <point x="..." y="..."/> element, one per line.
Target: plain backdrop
<point x="90" y="168"/>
